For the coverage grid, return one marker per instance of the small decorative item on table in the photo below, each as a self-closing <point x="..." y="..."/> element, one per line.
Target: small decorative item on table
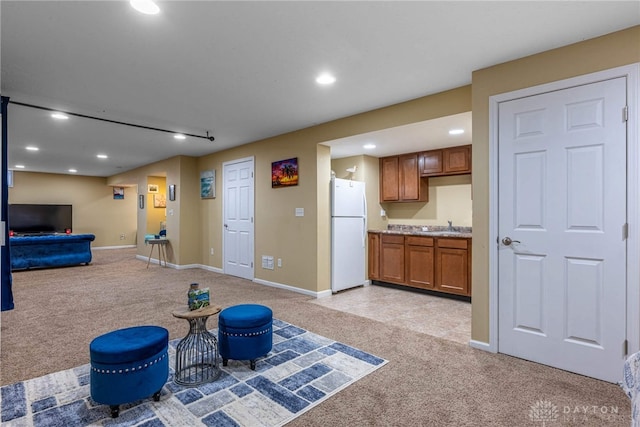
<point x="197" y="298"/>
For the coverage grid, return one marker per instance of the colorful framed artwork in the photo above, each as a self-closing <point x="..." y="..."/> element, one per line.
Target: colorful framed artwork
<point x="208" y="184"/>
<point x="159" y="201"/>
<point x="284" y="173"/>
<point x="153" y="188"/>
<point x="118" y="193"/>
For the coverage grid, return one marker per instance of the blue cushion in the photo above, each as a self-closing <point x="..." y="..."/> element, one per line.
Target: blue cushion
<point x="245" y="316"/>
<point x="129" y="344"/>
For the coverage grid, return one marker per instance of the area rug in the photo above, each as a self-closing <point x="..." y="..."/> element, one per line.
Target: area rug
<point x="302" y="370"/>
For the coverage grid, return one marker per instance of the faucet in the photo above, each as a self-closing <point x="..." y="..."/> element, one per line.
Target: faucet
<point x="450" y="228"/>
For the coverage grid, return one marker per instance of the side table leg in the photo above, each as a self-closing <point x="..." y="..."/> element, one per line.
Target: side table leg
<point x="150" y="253"/>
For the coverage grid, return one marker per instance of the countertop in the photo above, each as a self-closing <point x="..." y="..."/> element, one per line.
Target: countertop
<point x="463" y="234"/>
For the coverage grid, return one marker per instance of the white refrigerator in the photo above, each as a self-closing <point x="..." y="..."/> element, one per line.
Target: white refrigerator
<point x="348" y="234"/>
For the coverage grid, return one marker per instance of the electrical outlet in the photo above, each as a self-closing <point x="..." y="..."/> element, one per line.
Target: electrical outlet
<point x="279" y="262"/>
<point x="211" y="251"/>
<point x="123" y="236"/>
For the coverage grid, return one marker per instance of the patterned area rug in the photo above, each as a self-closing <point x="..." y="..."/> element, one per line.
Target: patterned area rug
<point x="302" y="370"/>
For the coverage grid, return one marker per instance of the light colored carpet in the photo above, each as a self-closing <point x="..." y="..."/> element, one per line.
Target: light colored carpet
<point x="428" y="380"/>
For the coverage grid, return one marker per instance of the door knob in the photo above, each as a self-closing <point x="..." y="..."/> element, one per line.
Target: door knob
<point x="507" y="241"/>
<point x="226" y="226"/>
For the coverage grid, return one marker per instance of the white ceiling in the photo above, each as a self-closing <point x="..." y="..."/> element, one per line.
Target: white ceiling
<point x="245" y="71"/>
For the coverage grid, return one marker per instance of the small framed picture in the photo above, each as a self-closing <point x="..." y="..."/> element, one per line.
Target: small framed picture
<point x="208" y="184"/>
<point x="118" y="193"/>
<point x="153" y="188"/>
<point x="284" y="173"/>
<point x="159" y="201"/>
<point x="141" y="201"/>
<point x="172" y="192"/>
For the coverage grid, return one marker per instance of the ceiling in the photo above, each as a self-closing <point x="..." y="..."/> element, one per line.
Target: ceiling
<point x="244" y="71"/>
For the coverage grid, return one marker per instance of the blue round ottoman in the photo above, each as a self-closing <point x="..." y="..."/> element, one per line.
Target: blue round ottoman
<point x="245" y="332"/>
<point x="129" y="364"/>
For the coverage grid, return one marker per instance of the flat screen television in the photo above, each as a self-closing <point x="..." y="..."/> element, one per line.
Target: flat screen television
<point x="39" y="219"/>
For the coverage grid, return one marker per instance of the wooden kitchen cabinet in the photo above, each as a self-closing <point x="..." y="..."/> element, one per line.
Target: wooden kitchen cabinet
<point x="431" y="163"/>
<point x="419" y="261"/>
<point x="446" y="161"/>
<point x="452" y="265"/>
<point x="389" y="179"/>
<point x="374" y="255"/>
<point x="457" y="160"/>
<point x="400" y="180"/>
<point x="392" y="258"/>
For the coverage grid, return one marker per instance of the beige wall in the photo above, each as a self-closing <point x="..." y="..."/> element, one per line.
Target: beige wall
<point x="449" y="200"/>
<point x="616" y="49"/>
<point x="95" y="211"/>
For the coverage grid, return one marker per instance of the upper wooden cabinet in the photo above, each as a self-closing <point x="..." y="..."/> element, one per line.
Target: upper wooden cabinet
<point x="400" y="179"/>
<point x="446" y="161"/>
<point x="430" y="163"/>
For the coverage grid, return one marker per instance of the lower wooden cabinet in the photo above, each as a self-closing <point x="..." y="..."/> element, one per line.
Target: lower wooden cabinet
<point x="452" y="266"/>
<point x="440" y="264"/>
<point x="392" y="258"/>
<point x="374" y="256"/>
<point x="419" y="262"/>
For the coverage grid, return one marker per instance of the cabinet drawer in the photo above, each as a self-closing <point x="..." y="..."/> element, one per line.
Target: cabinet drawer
<point x="453" y="243"/>
<point x="419" y="241"/>
<point x="392" y="238"/>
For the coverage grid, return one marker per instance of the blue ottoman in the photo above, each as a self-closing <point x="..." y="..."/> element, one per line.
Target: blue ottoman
<point x="129" y="364"/>
<point x="245" y="332"/>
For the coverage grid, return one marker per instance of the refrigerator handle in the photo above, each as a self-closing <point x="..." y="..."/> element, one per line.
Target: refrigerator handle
<point x="364" y="220"/>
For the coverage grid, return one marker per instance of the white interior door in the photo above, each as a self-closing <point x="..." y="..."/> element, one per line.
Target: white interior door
<point x="238" y="210"/>
<point x="562" y="201"/>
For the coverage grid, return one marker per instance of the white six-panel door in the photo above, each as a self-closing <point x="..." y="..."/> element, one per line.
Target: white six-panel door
<point x="562" y="202"/>
<point x="238" y="213"/>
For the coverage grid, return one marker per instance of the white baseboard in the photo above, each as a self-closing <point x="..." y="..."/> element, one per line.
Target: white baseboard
<point x="291" y="288"/>
<point x="481" y="346"/>
<point x="99" y="248"/>
<point x="208" y="268"/>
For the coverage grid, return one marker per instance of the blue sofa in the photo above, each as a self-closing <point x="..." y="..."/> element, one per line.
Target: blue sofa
<point x="57" y="250"/>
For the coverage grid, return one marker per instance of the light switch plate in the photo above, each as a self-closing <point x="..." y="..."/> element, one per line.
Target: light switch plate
<point x="299" y="211"/>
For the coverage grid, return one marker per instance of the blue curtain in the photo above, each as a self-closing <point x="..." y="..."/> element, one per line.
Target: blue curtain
<point x="6" y="297"/>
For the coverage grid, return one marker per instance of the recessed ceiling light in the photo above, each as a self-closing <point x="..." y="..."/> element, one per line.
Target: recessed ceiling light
<point x="179" y="136"/>
<point x="456" y="131"/>
<point x="32" y="148"/>
<point x="148" y="7"/>
<point x="102" y="156"/>
<point x="325" y="79"/>
<point x="19" y="166"/>
<point x="59" y="116"/>
<point x="73" y="170"/>
<point x="369" y="146"/>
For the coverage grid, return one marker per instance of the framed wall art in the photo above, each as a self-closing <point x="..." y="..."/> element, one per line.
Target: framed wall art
<point x="118" y="193"/>
<point x="159" y="201"/>
<point x="284" y="173"/>
<point x="208" y="184"/>
<point x="153" y="188"/>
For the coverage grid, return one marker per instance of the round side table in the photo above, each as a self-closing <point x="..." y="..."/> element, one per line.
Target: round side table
<point x="197" y="353"/>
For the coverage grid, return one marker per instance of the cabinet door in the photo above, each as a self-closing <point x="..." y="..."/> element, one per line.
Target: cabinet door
<point x="452" y="271"/>
<point x="431" y="163"/>
<point x="374" y="256"/>
<point x="412" y="187"/>
<point x="419" y="262"/>
<point x="392" y="258"/>
<point x="457" y="160"/>
<point x="389" y="184"/>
